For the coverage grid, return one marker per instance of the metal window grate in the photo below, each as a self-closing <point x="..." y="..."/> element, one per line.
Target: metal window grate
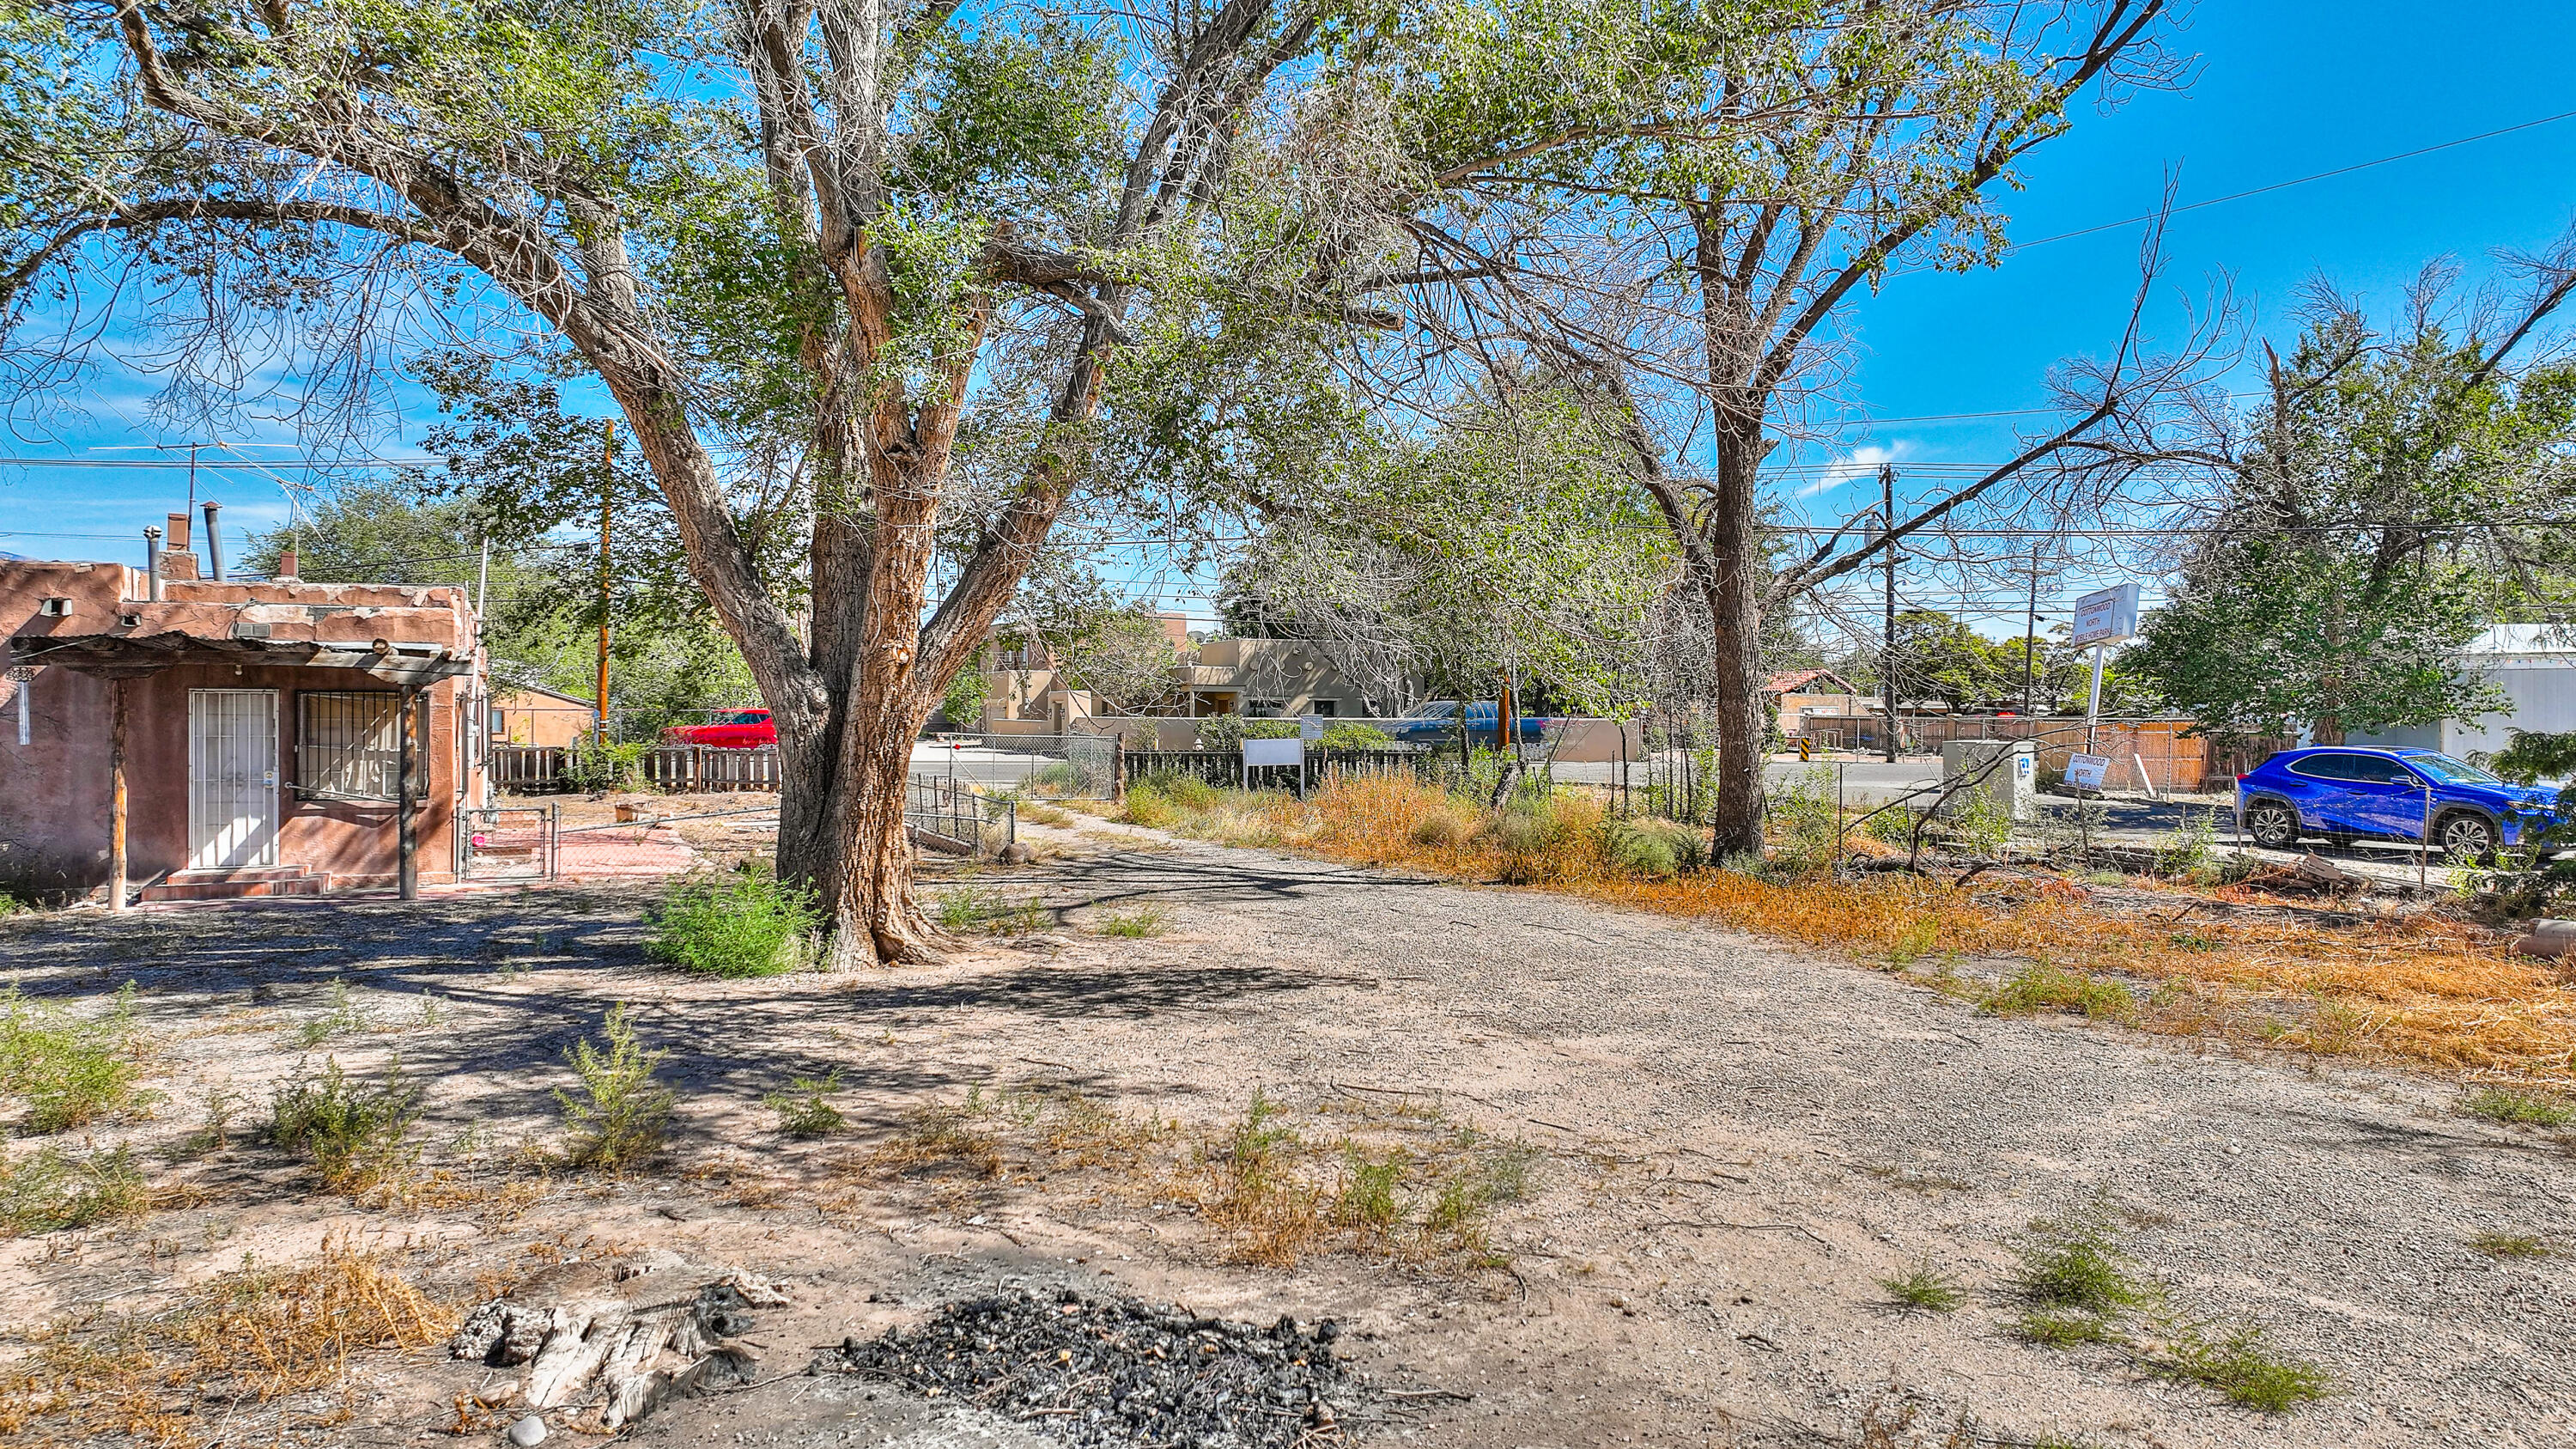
<point x="348" y="745"/>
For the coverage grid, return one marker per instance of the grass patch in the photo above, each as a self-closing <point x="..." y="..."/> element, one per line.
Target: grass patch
<point x="344" y="1018"/>
<point x="2070" y="1264"/>
<point x="939" y="1135"/>
<point x="2239" y="1364"/>
<point x="72" y="1070"/>
<point x="53" y="1189"/>
<point x="1925" y="1288"/>
<point x="359" y="1136"/>
<point x="2509" y="1245"/>
<point x="744" y="924"/>
<point x="2530" y="1109"/>
<point x="804" y="1106"/>
<point x="1040" y="814"/>
<point x="969" y="910"/>
<point x="2040" y="987"/>
<point x="1148" y="920"/>
<point x="622" y="1114"/>
<point x="2063" y="1329"/>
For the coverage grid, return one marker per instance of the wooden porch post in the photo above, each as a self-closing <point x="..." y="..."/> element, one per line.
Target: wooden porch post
<point x="116" y="797"/>
<point x="406" y="834"/>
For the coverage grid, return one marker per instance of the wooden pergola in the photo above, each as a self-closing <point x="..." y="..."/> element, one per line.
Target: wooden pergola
<point x="121" y="658"/>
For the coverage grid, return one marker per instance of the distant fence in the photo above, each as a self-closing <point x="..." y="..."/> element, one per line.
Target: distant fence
<point x="533" y="769"/>
<point x="2142" y="752"/>
<point x="1226" y="767"/>
<point x="947" y="814"/>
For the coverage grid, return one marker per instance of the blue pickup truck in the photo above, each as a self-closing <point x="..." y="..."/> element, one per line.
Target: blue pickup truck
<point x="1432" y="721"/>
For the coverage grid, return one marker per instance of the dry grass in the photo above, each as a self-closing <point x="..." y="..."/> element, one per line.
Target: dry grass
<point x="2421" y="991"/>
<point x="253" y="1337"/>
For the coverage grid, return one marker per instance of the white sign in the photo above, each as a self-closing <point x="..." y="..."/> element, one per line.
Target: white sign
<point x="2084" y="772"/>
<point x="1274" y="752"/>
<point x="1310" y="727"/>
<point x="2106" y="616"/>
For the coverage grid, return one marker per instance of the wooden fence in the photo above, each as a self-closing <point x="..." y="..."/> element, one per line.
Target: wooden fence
<point x="531" y="769"/>
<point x="1226" y="767"/>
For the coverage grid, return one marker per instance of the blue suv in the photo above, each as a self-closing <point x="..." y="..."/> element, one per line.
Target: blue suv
<point x="2345" y="794"/>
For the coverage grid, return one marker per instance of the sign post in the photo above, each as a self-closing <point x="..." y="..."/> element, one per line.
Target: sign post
<point x="2103" y="618"/>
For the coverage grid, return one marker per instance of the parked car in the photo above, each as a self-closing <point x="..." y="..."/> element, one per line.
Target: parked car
<point x="2344" y="794"/>
<point x="731" y="729"/>
<point x="1437" y="719"/>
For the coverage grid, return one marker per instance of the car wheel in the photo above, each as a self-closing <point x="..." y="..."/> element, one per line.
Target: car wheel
<point x="2274" y="825"/>
<point x="2465" y="835"/>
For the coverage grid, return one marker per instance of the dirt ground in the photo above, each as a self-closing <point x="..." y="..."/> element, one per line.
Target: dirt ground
<point x="1727" y="1146"/>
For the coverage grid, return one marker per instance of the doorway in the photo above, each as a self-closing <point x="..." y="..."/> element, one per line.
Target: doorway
<point x="232" y="778"/>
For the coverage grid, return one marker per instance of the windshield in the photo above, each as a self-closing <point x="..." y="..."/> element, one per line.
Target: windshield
<point x="2450" y="771"/>
<point x="743" y="716"/>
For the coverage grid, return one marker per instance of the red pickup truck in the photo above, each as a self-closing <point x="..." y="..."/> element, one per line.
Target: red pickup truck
<point x="732" y="729"/>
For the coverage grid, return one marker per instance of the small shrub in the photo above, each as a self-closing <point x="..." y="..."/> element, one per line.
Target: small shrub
<point x="804" y="1108"/>
<point x="1978" y="822"/>
<point x="344" y="1018"/>
<point x="745" y="924"/>
<point x="358" y="1136"/>
<point x="1353" y="735"/>
<point x="1808" y="823"/>
<point x="938" y="1134"/>
<point x="2509" y="1245"/>
<point x="1143" y="921"/>
<point x="215" y="1133"/>
<point x="1442" y="829"/>
<point x="1148" y="806"/>
<point x="72" y="1070"/>
<point x="1653" y="848"/>
<point x="54" y="1189"/>
<point x="1229" y="731"/>
<point x="1893" y="826"/>
<point x="2239" y="1365"/>
<point x="2501" y="1104"/>
<point x="2040" y="987"/>
<point x="1925" y="1288"/>
<point x="2062" y="1329"/>
<point x="2070" y="1263"/>
<point x="1367" y="1200"/>
<point x="1185" y="790"/>
<point x="2191" y="853"/>
<point x="622" y="1114"/>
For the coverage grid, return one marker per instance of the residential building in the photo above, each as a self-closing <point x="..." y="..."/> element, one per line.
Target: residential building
<point x="1025" y="690"/>
<point x="531" y="714"/>
<point x="2535" y="666"/>
<point x="240" y="737"/>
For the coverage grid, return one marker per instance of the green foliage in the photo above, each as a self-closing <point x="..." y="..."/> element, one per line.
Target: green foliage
<point x="357" y="1135"/>
<point x="622" y="1115"/>
<point x="2070" y="1264"/>
<point x="2509" y="1245"/>
<point x="1654" y="848"/>
<point x="804" y="1107"/>
<point x="1352" y="735"/>
<point x="71" y="1070"/>
<point x="963" y="704"/>
<point x="1184" y="789"/>
<point x="1145" y="920"/>
<point x="2191" y="853"/>
<point x="598" y="767"/>
<point x="55" y="1189"/>
<point x="746" y="923"/>
<point x="1807" y="823"/>
<point x="2042" y="987"/>
<point x="345" y="1017"/>
<point x="2239" y="1364"/>
<point x="1925" y="1287"/>
<point x="2530" y="1109"/>
<point x="977" y="908"/>
<point x="1367" y="1199"/>
<point x="1229" y="731"/>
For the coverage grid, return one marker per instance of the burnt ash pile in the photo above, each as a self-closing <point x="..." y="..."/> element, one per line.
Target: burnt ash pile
<point x="1109" y="1374"/>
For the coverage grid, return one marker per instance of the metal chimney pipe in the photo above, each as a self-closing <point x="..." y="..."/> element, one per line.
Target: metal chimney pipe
<point x="214" y="544"/>
<point x="152" y="561"/>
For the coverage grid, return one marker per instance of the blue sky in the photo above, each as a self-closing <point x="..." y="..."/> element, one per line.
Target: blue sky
<point x="2280" y="90"/>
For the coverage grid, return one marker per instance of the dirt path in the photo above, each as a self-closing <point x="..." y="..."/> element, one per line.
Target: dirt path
<point x="1738" y="1142"/>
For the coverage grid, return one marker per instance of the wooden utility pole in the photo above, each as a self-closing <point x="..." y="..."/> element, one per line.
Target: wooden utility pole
<point x="1887" y="655"/>
<point x="406" y="800"/>
<point x="116" y="796"/>
<point x="607" y="496"/>
<point x="2030" y="632"/>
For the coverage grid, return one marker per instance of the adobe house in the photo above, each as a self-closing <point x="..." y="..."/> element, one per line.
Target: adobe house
<point x="531" y="714"/>
<point x="205" y="738"/>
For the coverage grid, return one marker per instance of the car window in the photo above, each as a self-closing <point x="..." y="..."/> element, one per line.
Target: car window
<point x="2325" y="767"/>
<point x="2450" y="771"/>
<point x="2376" y="770"/>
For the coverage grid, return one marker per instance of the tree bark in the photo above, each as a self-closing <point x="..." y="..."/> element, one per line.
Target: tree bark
<point x="1733" y="587"/>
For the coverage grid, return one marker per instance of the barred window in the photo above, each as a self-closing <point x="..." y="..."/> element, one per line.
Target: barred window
<point x="348" y="745"/>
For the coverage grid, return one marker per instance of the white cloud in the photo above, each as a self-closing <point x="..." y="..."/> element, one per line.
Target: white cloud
<point x="1861" y="462"/>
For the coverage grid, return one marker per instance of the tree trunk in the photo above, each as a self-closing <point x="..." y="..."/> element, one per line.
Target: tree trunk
<point x="1733" y="589"/>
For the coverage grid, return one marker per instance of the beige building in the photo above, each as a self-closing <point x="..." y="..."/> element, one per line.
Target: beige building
<point x="530" y="714"/>
<point x="1025" y="691"/>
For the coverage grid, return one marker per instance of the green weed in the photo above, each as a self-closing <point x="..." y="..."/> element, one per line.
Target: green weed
<point x="1143" y="921"/>
<point x="622" y="1114"/>
<point x="745" y="924"/>
<point x="2069" y="1263"/>
<point x="346" y="1017"/>
<point x="1368" y="1200"/>
<point x="2502" y="1104"/>
<point x="2063" y="1329"/>
<point x="55" y="1189"/>
<point x="2239" y="1365"/>
<point x="2041" y="987"/>
<point x="358" y="1136"/>
<point x="804" y="1108"/>
<point x="2509" y="1245"/>
<point x="1925" y="1287"/>
<point x="72" y="1070"/>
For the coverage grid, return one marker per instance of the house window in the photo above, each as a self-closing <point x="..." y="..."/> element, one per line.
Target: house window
<point x="1265" y="708"/>
<point x="54" y="608"/>
<point x="1322" y="707"/>
<point x="348" y="745"/>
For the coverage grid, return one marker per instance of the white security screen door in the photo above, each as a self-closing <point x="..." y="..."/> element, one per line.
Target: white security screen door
<point x="232" y="778"/>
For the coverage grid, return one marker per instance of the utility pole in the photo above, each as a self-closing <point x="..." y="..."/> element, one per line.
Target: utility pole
<point x="1887" y="655"/>
<point x="607" y="495"/>
<point x="2030" y="632"/>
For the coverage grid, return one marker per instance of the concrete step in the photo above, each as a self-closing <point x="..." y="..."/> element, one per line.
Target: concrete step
<point x="217" y="885"/>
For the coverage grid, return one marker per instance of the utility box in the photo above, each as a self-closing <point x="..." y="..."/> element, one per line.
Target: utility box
<point x="2013" y="784"/>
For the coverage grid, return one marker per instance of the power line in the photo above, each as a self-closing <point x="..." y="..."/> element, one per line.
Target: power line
<point x="2298" y="181"/>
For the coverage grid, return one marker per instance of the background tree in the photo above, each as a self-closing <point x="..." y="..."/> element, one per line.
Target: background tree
<point x="1685" y="200"/>
<point x="802" y="237"/>
<point x="2397" y="490"/>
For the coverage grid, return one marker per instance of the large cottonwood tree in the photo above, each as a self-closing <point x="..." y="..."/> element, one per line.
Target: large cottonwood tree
<point x="801" y="235"/>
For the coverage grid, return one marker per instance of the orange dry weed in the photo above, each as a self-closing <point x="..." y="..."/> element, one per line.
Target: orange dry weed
<point x="2423" y="991"/>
